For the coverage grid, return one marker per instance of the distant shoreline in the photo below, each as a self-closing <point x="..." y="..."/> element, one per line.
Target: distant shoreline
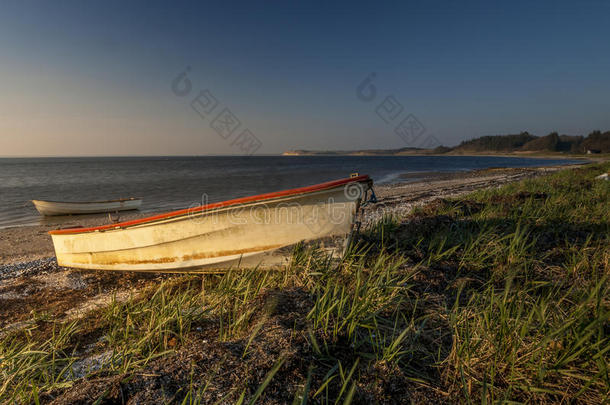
<point x="523" y="144"/>
<point x="538" y="155"/>
<point x="533" y="155"/>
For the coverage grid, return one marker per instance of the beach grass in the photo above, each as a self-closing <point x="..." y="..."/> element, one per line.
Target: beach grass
<point x="498" y="296"/>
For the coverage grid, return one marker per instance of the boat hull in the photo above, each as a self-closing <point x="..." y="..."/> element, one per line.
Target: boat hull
<point x="212" y="237"/>
<point x="53" y="208"/>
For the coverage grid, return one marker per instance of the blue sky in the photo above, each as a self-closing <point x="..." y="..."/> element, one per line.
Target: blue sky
<point x="94" y="78"/>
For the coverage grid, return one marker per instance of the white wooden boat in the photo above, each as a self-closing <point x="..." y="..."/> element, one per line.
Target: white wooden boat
<point x="217" y="233"/>
<point x="50" y="208"/>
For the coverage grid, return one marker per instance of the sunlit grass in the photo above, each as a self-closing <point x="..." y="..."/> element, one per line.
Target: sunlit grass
<point x="28" y="367"/>
<point x="501" y="295"/>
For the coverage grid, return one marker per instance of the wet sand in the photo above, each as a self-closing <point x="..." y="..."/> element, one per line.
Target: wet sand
<point x="32" y="282"/>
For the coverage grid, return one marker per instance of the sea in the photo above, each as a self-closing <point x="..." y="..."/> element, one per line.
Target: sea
<point x="170" y="183"/>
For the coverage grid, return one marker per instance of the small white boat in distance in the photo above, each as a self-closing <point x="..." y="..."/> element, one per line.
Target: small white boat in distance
<point x="49" y="208"/>
<point x="216" y="234"/>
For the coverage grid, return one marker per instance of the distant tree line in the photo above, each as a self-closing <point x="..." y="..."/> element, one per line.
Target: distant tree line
<point x="595" y="142"/>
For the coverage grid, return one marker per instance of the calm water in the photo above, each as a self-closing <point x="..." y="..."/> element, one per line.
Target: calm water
<point x="168" y="183"/>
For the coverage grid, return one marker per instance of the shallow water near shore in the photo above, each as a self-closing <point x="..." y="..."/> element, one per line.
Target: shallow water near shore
<point x="168" y="183"/>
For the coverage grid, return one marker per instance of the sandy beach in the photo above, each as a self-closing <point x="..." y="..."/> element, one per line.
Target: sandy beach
<point x="96" y="308"/>
<point x="31" y="281"/>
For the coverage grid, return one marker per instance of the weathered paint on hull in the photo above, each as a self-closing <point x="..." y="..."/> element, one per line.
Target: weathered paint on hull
<point x="52" y="208"/>
<point x="212" y="237"/>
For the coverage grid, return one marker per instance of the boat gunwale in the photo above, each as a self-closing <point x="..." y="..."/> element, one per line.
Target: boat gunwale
<point x="221" y="204"/>
<point x="88" y="202"/>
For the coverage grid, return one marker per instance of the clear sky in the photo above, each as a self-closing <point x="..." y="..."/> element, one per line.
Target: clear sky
<point x="95" y="78"/>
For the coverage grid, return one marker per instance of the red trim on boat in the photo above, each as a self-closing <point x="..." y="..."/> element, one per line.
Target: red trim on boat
<point x="254" y="198"/>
